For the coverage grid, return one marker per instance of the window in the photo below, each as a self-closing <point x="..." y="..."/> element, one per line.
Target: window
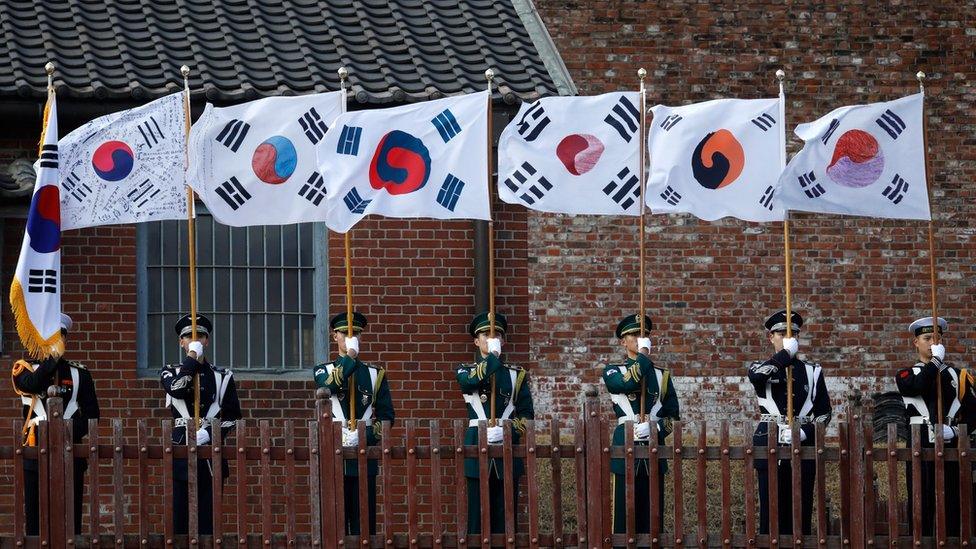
<point x="264" y="288"/>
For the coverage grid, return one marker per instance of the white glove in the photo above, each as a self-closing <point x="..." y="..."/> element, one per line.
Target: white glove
<point x="642" y="430"/>
<point x="203" y="436"/>
<point x="352" y="346"/>
<point x="495" y="346"/>
<point x="495" y="434"/>
<point x="644" y="345"/>
<point x="786" y="435"/>
<point x="350" y="437"/>
<point x="938" y="351"/>
<point x="791" y="345"/>
<point x="948" y="433"/>
<point x="195" y="347"/>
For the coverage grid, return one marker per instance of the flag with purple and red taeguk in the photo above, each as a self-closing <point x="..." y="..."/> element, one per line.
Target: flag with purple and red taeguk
<point x="35" y="294"/>
<point x="866" y="160"/>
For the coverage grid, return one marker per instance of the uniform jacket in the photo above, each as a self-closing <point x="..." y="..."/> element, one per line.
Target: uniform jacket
<point x="60" y="373"/>
<point x="218" y="403"/>
<point x="919" y="390"/>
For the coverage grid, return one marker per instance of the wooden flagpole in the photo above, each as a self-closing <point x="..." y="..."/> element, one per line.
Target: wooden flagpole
<point x="936" y="336"/>
<point x="343" y="74"/>
<point x="642" y="74"/>
<point x="490" y="76"/>
<point x="787" y="253"/>
<point x="191" y="250"/>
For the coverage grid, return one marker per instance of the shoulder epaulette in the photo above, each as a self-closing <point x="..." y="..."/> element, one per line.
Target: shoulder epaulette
<point x="20" y="366"/>
<point x="78" y="365"/>
<point x="515" y="367"/>
<point x="373" y="366"/>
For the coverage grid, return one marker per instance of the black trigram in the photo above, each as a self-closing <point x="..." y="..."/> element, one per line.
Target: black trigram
<point x="764" y="121"/>
<point x="671" y="196"/>
<point x="354" y="202"/>
<point x="624" y="117"/>
<point x="314" y="189"/>
<point x="142" y="193"/>
<point x="891" y="123"/>
<point x="42" y="281"/>
<point x="233" y="193"/>
<point x="533" y="121"/>
<point x="808" y="182"/>
<point x="349" y="140"/>
<point x="670" y="121"/>
<point x="151" y="132"/>
<point x="896" y="190"/>
<point x="233" y="134"/>
<point x="49" y="156"/>
<point x="446" y="125"/>
<point x="766" y="200"/>
<point x="623" y="190"/>
<point x="450" y="192"/>
<point x="313" y="126"/>
<point x="530" y="192"/>
<point x="830" y="131"/>
<point x="74" y="186"/>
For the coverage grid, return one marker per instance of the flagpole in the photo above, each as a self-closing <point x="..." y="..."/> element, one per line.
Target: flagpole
<point x="191" y="249"/>
<point x="787" y="252"/>
<point x="343" y="74"/>
<point x="936" y="336"/>
<point x="642" y="74"/>
<point x="490" y="76"/>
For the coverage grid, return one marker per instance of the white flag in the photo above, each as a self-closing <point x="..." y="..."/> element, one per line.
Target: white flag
<point x="575" y="155"/>
<point x="254" y="164"/>
<point x="35" y="294"/>
<point x="716" y="159"/>
<point x="861" y="160"/>
<point x="126" y="167"/>
<point x="429" y="159"/>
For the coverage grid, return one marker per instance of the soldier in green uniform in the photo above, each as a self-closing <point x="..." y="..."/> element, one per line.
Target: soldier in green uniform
<point x="659" y="401"/>
<point x="513" y="401"/>
<point x="364" y="388"/>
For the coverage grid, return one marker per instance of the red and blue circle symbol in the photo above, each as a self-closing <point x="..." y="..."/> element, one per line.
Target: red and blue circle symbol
<point x="113" y="160"/>
<point x="401" y="163"/>
<point x="44" y="220"/>
<point x="274" y="160"/>
<point x="718" y="160"/>
<point x="579" y="152"/>
<point x="857" y="160"/>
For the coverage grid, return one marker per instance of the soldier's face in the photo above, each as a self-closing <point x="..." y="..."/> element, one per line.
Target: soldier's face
<point x="923" y="344"/>
<point x="340" y="338"/>
<point x="629" y="343"/>
<point x="481" y="342"/>
<point x="185" y="340"/>
<point x="776" y="338"/>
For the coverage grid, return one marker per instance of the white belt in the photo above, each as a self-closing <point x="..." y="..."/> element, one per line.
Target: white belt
<point x="918" y="420"/>
<point x="635" y="419"/>
<point x="776" y="418"/>
<point x="369" y="422"/>
<point x="475" y="422"/>
<point x="204" y="421"/>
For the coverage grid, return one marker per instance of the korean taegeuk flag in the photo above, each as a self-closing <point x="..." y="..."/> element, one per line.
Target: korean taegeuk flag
<point x="864" y="160"/>
<point x="717" y="159"/>
<point x="428" y="159"/>
<point x="254" y="164"/>
<point x="574" y="155"/>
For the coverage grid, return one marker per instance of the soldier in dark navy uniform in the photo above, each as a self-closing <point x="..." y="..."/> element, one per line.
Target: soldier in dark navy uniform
<point x="811" y="405"/>
<point x="659" y="401"/>
<point x="513" y="401"/>
<point x="75" y="387"/>
<point x="219" y="407"/>
<point x="361" y="390"/>
<point x="919" y="386"/>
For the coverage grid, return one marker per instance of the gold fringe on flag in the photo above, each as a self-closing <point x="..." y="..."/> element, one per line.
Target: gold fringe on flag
<point x="37" y="345"/>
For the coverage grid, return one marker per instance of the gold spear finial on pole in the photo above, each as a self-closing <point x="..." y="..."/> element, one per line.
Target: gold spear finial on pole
<point x="921" y="85"/>
<point x="49" y="69"/>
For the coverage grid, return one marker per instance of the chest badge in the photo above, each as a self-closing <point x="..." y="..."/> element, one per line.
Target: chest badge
<point x="484" y="397"/>
<point x="365" y="399"/>
<point x="632" y="396"/>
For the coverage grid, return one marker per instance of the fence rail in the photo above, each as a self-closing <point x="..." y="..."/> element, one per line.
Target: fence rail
<point x="704" y="510"/>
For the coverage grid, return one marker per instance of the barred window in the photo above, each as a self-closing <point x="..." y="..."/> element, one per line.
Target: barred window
<point x="262" y="287"/>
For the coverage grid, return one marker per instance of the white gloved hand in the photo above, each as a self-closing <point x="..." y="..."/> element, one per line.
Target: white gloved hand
<point x="196" y="348"/>
<point x="948" y="433"/>
<point x="495" y="346"/>
<point x="495" y="435"/>
<point x="350" y="437"/>
<point x="203" y="437"/>
<point x="938" y="351"/>
<point x="786" y="435"/>
<point x="642" y="430"/>
<point x="791" y="345"/>
<point x="352" y="346"/>
<point x="644" y="345"/>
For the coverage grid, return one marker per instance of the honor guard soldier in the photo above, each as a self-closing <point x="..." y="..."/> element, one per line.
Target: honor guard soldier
<point x="811" y="405"/>
<point x="360" y="391"/>
<point x="75" y="387"/>
<point x="919" y="388"/>
<point x="513" y="401"/>
<point x="219" y="407"/>
<point x="637" y="386"/>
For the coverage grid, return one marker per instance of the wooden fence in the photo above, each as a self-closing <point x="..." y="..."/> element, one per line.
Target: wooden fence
<point x="577" y="452"/>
